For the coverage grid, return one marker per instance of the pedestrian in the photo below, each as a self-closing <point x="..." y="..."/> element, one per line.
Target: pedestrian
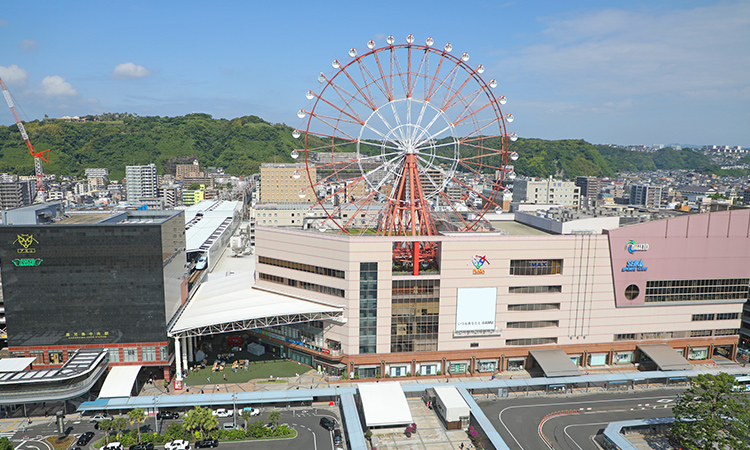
<point x="217" y="387"/>
<point x="225" y="378"/>
<point x="461" y="446"/>
<point x="201" y="390"/>
<point x="208" y="380"/>
<point x="167" y="389"/>
<point x="188" y="389"/>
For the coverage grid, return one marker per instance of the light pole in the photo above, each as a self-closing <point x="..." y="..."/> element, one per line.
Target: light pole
<point x="156" y="413"/>
<point x="234" y="410"/>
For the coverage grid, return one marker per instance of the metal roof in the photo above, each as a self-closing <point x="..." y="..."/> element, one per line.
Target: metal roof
<point x="555" y="362"/>
<point x="15" y="364"/>
<point x="119" y="381"/>
<point x="206" y="221"/>
<point x="665" y="357"/>
<point x="384" y="404"/>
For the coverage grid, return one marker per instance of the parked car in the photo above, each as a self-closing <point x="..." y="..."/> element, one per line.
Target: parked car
<point x="230" y="426"/>
<point x="327" y="423"/>
<point x="99" y="417"/>
<point x="205" y="443"/>
<point x="85" y="438"/>
<point x="253" y="411"/>
<point x="337" y="439"/>
<point x="142" y="446"/>
<point x="177" y="444"/>
<point x="221" y="412"/>
<point x="113" y="446"/>
<point x="167" y="415"/>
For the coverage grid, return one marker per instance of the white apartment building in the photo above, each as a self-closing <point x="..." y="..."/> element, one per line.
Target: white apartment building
<point x="141" y="182"/>
<point x="547" y="190"/>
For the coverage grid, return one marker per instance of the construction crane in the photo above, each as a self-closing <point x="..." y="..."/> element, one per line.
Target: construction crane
<point x="38" y="156"/>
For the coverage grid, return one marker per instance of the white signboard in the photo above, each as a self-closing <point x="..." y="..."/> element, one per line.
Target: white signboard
<point x="475" y="309"/>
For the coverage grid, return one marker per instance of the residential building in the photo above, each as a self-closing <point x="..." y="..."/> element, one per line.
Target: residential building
<point x="546" y="190"/>
<point x="141" y="181"/>
<point x="649" y="196"/>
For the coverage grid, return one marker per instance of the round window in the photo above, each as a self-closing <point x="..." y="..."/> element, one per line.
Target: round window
<point x="631" y="292"/>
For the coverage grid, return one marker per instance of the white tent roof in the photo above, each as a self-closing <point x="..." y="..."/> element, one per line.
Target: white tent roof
<point x="15" y="364"/>
<point x="119" y="381"/>
<point x="384" y="404"/>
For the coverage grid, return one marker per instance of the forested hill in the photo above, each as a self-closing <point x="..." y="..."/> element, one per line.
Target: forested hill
<point x="240" y="145"/>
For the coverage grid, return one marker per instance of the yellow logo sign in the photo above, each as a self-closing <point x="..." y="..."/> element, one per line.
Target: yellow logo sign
<point x="25" y="241"/>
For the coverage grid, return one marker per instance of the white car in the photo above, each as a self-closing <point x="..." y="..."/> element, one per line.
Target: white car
<point x="177" y="444"/>
<point x="113" y="446"/>
<point x="221" y="412"/>
<point x="99" y="417"/>
<point x="253" y="411"/>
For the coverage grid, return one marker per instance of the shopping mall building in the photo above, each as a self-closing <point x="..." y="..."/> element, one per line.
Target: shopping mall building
<point x="518" y="298"/>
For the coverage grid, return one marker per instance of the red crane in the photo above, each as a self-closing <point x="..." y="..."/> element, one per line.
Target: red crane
<point x="38" y="156"/>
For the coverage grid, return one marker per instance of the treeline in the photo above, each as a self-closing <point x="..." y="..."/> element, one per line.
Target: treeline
<point x="240" y="145"/>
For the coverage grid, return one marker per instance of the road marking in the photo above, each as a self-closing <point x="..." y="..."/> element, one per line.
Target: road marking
<point x="565" y="431"/>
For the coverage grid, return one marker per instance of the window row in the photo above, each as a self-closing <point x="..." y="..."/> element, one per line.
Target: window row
<point x="534" y="289"/>
<point x="302" y="285"/>
<point x="534" y="324"/>
<point x="531" y="341"/>
<point x="718" y="316"/>
<point x="697" y="290"/>
<point x="533" y="306"/>
<point x="536" y="266"/>
<point x="301" y="267"/>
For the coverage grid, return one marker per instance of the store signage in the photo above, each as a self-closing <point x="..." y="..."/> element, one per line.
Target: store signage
<point x="88" y="335"/>
<point x="479" y="261"/>
<point x="632" y="247"/>
<point x="27" y="262"/>
<point x="634" y="265"/>
<point x="25" y="241"/>
<point x="537" y="263"/>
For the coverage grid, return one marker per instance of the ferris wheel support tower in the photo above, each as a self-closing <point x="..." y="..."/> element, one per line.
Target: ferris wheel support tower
<point x="38" y="156"/>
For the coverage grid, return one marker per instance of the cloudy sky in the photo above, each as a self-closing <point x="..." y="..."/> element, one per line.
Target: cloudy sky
<point x="631" y="72"/>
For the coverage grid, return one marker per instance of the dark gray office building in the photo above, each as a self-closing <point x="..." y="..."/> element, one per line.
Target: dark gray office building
<point x="92" y="280"/>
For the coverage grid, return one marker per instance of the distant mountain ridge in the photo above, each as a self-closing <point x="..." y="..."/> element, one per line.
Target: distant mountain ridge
<point x="240" y="145"/>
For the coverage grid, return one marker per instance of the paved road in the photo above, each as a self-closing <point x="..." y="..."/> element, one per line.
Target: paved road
<point x="581" y="416"/>
<point x="310" y="435"/>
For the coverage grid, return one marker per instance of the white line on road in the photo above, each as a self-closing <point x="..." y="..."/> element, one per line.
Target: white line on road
<point x="565" y="430"/>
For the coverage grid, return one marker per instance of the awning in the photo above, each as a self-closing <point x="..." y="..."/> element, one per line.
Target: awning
<point x="15" y="364"/>
<point x="665" y="357"/>
<point x="119" y="381"/>
<point x="384" y="404"/>
<point x="555" y="362"/>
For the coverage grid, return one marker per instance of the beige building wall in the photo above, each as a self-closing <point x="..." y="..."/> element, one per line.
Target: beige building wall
<point x="587" y="316"/>
<point x="279" y="185"/>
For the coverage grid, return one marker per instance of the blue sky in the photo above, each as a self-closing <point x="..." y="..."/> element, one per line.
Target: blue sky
<point x="623" y="72"/>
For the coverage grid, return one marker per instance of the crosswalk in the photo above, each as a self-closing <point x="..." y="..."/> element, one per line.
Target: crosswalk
<point x="7" y="434"/>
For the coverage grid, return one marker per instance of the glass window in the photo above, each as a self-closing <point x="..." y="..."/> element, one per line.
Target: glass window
<point x="164" y="353"/>
<point x="38" y="354"/>
<point x="631" y="292"/>
<point x="148" y="353"/>
<point x="55" y="356"/>
<point x="130" y="354"/>
<point x="114" y="355"/>
<point x="698" y="353"/>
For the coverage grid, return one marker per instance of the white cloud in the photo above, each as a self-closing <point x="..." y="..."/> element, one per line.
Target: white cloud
<point x="129" y="70"/>
<point x="14" y="75"/>
<point x="3" y="22"/>
<point x="624" y="53"/>
<point x="29" y="45"/>
<point x="56" y="86"/>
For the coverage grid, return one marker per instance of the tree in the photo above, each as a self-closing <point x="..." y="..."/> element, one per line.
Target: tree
<point x="5" y="444"/>
<point x="247" y="415"/>
<point x="200" y="419"/>
<point x="274" y="417"/>
<point x="119" y="424"/>
<point x="137" y="417"/>
<point x="713" y="414"/>
<point x="105" y="425"/>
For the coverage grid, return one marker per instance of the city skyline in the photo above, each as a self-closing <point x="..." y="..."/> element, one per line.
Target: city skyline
<point x="631" y="73"/>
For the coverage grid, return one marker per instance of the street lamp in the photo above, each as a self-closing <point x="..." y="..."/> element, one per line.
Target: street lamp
<point x="156" y="413"/>
<point x="234" y="410"/>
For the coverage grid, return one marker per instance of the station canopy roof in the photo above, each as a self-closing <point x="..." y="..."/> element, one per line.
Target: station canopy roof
<point x="119" y="382"/>
<point x="555" y="362"/>
<point x="665" y="357"/>
<point x="384" y="404"/>
<point x="231" y="303"/>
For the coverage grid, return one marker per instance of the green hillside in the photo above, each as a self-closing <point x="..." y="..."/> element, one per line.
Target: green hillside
<point x="240" y="145"/>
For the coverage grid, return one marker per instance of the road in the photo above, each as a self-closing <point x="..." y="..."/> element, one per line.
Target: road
<point x="310" y="435"/>
<point x="580" y="416"/>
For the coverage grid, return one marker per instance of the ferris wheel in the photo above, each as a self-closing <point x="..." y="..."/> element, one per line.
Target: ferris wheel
<point x="404" y="139"/>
